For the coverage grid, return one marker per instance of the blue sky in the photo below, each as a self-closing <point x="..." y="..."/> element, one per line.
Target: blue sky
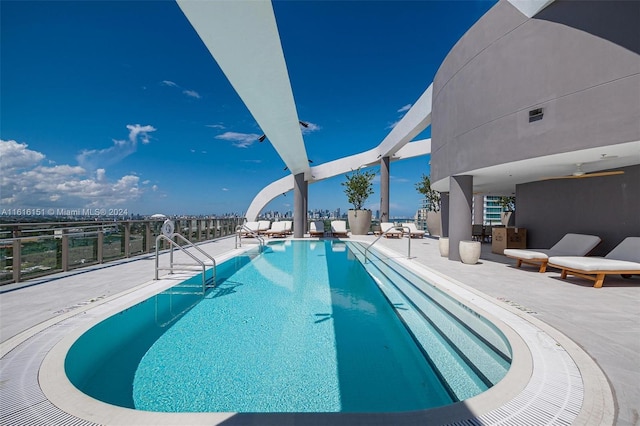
<point x="118" y="104"/>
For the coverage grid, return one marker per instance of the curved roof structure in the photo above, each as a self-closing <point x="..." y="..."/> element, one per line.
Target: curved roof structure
<point x="239" y="35"/>
<point x="396" y="146"/>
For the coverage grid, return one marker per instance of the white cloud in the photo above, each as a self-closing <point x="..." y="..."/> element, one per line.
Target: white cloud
<point x="192" y="94"/>
<point x="187" y="92"/>
<point x="24" y="182"/>
<point x="14" y="155"/>
<point x="399" y="179"/>
<point x="239" y="140"/>
<point x="94" y="158"/>
<point x="225" y="189"/>
<point x="136" y="130"/>
<point x="154" y="188"/>
<point x="405" y="108"/>
<point x="215" y="126"/>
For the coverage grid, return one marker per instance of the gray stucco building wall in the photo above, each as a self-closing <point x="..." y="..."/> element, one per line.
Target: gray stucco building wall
<point x="605" y="206"/>
<point x="577" y="60"/>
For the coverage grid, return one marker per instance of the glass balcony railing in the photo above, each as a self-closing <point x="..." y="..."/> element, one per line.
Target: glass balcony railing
<point x="29" y="250"/>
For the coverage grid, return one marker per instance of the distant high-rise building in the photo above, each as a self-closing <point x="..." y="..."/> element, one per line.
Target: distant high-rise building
<point x="492" y="210"/>
<point x="491" y="213"/>
<point x="421" y="214"/>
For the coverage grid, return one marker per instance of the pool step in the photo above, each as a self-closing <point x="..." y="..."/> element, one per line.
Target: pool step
<point x="480" y="329"/>
<point x="455" y="339"/>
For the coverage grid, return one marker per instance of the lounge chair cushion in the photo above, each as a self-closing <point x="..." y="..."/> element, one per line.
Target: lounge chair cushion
<point x="288" y="226"/>
<point x="628" y="249"/>
<point x="316" y="227"/>
<point x="528" y="254"/>
<point x="593" y="264"/>
<point x="575" y="245"/>
<point x="339" y="227"/>
<point x="263" y="226"/>
<point x="277" y="228"/>
<point x="252" y="225"/>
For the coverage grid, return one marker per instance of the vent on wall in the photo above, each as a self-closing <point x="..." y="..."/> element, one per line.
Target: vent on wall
<point x="535" y="115"/>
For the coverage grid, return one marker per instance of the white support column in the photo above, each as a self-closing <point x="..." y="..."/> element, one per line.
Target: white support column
<point x="299" y="203"/>
<point x="384" y="189"/>
<point x="460" y="206"/>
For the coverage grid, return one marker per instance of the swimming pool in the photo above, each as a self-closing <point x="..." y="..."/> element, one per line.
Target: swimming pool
<point x="305" y="326"/>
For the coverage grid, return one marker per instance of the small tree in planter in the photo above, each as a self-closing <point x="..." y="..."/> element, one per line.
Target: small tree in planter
<point x="433" y="197"/>
<point x="434" y="224"/>
<point x="508" y="204"/>
<point x="358" y="187"/>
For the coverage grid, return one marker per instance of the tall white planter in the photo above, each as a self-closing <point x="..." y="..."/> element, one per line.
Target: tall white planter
<point x="434" y="223"/>
<point x="359" y="221"/>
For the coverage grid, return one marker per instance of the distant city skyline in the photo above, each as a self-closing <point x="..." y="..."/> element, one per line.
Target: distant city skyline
<point x="33" y="214"/>
<point x="118" y="105"/>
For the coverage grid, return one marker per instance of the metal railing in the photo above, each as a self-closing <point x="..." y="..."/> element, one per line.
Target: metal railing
<point x="240" y="229"/>
<point x="383" y="233"/>
<point x="184" y="266"/>
<point x="35" y="249"/>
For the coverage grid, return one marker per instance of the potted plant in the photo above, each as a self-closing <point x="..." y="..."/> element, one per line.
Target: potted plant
<point x="358" y="187"/>
<point x="508" y="204"/>
<point x="434" y="223"/>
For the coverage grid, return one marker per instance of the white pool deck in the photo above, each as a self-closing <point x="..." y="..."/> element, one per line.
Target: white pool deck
<point x="579" y="348"/>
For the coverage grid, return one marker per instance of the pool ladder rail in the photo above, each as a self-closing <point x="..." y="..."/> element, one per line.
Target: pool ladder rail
<point x="198" y="264"/>
<point x="244" y="229"/>
<point x="393" y="228"/>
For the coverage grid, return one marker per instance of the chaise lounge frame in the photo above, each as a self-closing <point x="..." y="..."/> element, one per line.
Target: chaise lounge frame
<point x="596" y="276"/>
<point x="623" y="260"/>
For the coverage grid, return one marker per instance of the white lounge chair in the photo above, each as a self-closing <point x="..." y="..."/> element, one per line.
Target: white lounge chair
<point x="339" y="228"/>
<point x="288" y="227"/>
<point x="389" y="230"/>
<point x="624" y="259"/>
<point x="249" y="229"/>
<point x="569" y="245"/>
<point x="414" y="232"/>
<point x="316" y="228"/>
<point x="263" y="226"/>
<point x="278" y="229"/>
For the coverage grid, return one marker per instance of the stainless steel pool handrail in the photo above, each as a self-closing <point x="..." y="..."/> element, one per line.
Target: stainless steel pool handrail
<point x="393" y="228"/>
<point x="251" y="232"/>
<point x="172" y="265"/>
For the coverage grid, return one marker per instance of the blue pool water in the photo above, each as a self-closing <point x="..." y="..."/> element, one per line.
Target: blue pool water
<point x="300" y="328"/>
